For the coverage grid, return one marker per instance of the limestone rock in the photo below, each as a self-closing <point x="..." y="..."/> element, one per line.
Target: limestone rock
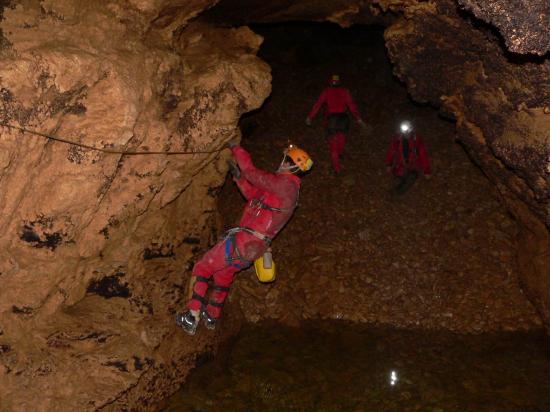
<point x="93" y="244"/>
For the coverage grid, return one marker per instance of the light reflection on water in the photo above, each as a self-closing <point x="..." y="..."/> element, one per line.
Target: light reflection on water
<point x="339" y="367"/>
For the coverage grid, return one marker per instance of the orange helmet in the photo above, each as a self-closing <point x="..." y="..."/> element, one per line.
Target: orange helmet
<point x="299" y="157"/>
<point x="334" y="79"/>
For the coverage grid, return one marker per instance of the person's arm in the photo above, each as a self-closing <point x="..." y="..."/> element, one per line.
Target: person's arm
<point x="320" y="101"/>
<point x="390" y="154"/>
<point x="248" y="191"/>
<point x="423" y="158"/>
<point x="258" y="178"/>
<point x="352" y="107"/>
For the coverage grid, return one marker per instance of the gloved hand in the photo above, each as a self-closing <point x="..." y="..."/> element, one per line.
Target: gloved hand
<point x="308" y="121"/>
<point x="234" y="169"/>
<point x="232" y="143"/>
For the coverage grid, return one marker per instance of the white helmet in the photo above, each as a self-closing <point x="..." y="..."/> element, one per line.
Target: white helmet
<point x="405" y="127"/>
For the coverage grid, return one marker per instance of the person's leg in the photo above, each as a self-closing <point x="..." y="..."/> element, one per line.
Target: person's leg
<point x="220" y="290"/>
<point x="334" y="152"/>
<point x="213" y="261"/>
<point x="406" y="182"/>
<point x="341" y="143"/>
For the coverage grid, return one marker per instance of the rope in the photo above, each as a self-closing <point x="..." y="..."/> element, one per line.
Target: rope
<point x="104" y="149"/>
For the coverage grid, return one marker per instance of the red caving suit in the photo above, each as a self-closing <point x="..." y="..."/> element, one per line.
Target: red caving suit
<point x="263" y="191"/>
<point x="337" y="101"/>
<point x="417" y="160"/>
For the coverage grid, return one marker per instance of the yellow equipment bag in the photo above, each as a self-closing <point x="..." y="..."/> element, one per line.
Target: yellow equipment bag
<point x="265" y="274"/>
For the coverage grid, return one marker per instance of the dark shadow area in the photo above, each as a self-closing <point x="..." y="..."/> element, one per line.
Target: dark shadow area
<point x="393" y="270"/>
<point x="341" y="367"/>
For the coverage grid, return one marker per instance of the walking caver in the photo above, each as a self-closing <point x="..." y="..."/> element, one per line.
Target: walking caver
<point x="272" y="198"/>
<point x="406" y="157"/>
<point x="337" y="101"/>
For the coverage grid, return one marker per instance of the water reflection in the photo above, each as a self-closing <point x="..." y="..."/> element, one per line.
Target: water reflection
<point x="393" y="378"/>
<point x="339" y="367"/>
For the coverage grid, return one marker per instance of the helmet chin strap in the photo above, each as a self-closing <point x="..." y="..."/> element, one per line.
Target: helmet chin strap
<point x="291" y="169"/>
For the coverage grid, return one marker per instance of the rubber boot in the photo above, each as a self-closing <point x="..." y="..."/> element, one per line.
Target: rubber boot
<point x="188" y="321"/>
<point x="209" y="321"/>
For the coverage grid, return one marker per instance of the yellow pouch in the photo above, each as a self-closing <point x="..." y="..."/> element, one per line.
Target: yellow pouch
<point x="265" y="275"/>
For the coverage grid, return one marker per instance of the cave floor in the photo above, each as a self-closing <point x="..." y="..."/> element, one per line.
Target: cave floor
<point x="442" y="256"/>
<point x="332" y="366"/>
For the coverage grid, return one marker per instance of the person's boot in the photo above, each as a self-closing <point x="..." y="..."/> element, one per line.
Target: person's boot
<point x="209" y="321"/>
<point x="188" y="321"/>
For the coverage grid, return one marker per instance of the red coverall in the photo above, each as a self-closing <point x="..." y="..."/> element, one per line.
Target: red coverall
<point x="262" y="190"/>
<point x="418" y="156"/>
<point x="337" y="100"/>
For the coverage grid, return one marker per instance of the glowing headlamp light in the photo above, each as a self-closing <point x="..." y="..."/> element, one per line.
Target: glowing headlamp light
<point x="405" y="128"/>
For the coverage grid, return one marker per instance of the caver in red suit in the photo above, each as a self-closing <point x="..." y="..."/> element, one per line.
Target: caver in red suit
<point x="337" y="101"/>
<point x="271" y="200"/>
<point x="413" y="148"/>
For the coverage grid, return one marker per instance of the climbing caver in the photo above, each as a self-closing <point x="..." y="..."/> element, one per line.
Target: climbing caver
<point x="272" y="198"/>
<point x="407" y="156"/>
<point x="337" y="100"/>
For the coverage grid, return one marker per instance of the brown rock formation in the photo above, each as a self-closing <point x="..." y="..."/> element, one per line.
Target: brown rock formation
<point x="500" y="102"/>
<point x="80" y="305"/>
<point x="83" y="302"/>
<point x="524" y="24"/>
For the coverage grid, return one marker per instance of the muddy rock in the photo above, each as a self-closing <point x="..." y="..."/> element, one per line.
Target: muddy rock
<point x="499" y="102"/>
<point x="524" y="24"/>
<point x="96" y="247"/>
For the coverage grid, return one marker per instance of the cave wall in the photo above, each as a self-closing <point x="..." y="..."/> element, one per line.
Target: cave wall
<point x="95" y="248"/>
<point x="501" y="104"/>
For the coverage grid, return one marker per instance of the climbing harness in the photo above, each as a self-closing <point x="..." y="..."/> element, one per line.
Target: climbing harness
<point x="108" y="150"/>
<point x="261" y="236"/>
<point x="259" y="204"/>
<point x="231" y="242"/>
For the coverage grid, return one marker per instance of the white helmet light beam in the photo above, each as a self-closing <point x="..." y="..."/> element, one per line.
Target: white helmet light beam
<point x="405" y="127"/>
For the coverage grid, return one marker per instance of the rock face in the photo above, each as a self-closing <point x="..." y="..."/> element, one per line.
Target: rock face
<point x="523" y="23"/>
<point x="501" y="103"/>
<point x="80" y="303"/>
<point x="87" y="280"/>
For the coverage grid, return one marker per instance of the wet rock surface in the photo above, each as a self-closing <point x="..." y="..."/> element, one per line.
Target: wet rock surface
<point x="524" y="24"/>
<point x="94" y="246"/>
<point x="443" y="256"/>
<point x="500" y="102"/>
<point x="339" y="367"/>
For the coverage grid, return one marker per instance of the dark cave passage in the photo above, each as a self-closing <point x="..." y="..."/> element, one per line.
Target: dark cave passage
<point x="431" y="267"/>
<point x="439" y="257"/>
<point x="334" y="366"/>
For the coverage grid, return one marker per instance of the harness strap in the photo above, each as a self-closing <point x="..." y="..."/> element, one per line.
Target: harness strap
<point x="261" y="236"/>
<point x="198" y="297"/>
<point x="216" y="304"/>
<point x="202" y="279"/>
<point x="262" y="205"/>
<point x="220" y="288"/>
<point x="232" y="241"/>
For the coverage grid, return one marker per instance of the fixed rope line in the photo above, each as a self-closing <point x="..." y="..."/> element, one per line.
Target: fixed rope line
<point x="106" y="149"/>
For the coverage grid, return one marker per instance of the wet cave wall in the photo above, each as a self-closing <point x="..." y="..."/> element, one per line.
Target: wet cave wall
<point x="95" y="246"/>
<point x="500" y="101"/>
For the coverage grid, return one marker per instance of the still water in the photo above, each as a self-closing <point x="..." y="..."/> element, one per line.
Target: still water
<point x="340" y="367"/>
